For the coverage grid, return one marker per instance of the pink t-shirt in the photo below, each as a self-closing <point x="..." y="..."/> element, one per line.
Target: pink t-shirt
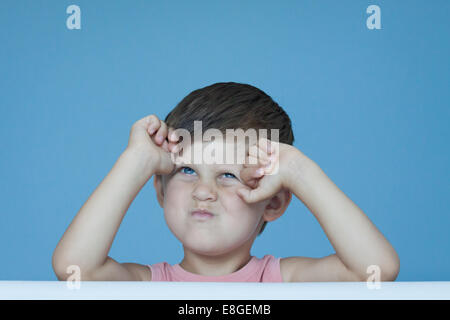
<point x="266" y="269"/>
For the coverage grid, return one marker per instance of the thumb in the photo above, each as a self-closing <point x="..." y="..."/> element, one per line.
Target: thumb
<point x="255" y="195"/>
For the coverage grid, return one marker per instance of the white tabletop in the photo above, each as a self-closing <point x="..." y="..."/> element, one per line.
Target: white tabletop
<point x="126" y="290"/>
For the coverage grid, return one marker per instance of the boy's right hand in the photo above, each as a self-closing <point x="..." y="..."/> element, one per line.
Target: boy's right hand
<point x="151" y="138"/>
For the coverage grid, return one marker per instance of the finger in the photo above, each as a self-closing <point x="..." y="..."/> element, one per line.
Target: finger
<point x="172" y="136"/>
<point x="170" y="146"/>
<point x="174" y="147"/>
<point x="258" y="152"/>
<point x="161" y="135"/>
<point x="165" y="146"/>
<point x="253" y="183"/>
<point x="255" y="195"/>
<point x="272" y="148"/>
<point x="154" y="124"/>
<point x="265" y="145"/>
<point x="252" y="162"/>
<point x="146" y="120"/>
<point x="248" y="174"/>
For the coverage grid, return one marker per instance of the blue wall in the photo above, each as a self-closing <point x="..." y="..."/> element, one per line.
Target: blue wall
<point x="371" y="107"/>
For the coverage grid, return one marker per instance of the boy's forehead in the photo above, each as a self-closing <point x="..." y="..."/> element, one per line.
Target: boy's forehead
<point x="219" y="143"/>
<point x="220" y="153"/>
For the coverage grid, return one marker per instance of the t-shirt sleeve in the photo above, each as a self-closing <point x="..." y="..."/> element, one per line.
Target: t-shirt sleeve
<point x="158" y="273"/>
<point x="272" y="271"/>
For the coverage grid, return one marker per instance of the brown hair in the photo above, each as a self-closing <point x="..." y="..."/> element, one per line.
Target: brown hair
<point x="231" y="105"/>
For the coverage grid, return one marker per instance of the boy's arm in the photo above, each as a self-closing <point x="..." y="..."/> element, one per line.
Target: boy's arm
<point x="89" y="237"/>
<point x="357" y="242"/>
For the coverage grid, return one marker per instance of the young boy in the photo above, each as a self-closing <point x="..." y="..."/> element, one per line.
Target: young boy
<point x="217" y="210"/>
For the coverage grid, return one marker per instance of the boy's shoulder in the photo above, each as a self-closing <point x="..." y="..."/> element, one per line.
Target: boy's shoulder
<point x="142" y="272"/>
<point x="290" y="268"/>
<point x="293" y="269"/>
<point x="306" y="269"/>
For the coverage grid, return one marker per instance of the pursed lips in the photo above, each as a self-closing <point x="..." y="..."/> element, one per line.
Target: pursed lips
<point x="202" y="213"/>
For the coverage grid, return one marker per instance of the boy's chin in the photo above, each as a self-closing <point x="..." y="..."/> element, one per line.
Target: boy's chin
<point x="207" y="249"/>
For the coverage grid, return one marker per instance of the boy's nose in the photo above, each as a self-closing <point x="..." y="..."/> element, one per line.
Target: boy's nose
<point x="204" y="191"/>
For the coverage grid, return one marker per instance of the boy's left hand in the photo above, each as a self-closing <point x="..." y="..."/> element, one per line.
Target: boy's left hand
<point x="282" y="160"/>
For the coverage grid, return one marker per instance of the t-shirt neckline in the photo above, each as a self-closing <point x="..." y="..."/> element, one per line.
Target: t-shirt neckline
<point x="240" y="274"/>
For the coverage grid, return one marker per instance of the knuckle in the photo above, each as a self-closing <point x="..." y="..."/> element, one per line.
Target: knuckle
<point x="157" y="124"/>
<point x="152" y="119"/>
<point x="162" y="126"/>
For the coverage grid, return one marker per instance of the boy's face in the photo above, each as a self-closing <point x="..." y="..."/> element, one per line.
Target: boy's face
<point x="211" y="187"/>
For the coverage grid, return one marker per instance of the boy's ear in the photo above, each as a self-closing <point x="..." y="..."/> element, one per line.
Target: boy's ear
<point x="157" y="183"/>
<point x="277" y="205"/>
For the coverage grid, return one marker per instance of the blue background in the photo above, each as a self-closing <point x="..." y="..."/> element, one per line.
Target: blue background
<point x="371" y="107"/>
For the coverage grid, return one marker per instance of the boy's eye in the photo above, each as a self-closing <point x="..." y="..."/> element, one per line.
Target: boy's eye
<point x="191" y="170"/>
<point x="182" y="168"/>
<point x="230" y="174"/>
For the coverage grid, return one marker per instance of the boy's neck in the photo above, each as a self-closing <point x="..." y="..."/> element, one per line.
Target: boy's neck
<point x="214" y="265"/>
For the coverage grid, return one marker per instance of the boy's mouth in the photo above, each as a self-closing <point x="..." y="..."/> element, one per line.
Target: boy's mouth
<point x="202" y="214"/>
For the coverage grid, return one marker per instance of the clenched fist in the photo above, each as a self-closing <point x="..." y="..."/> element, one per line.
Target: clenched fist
<point x="152" y="139"/>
